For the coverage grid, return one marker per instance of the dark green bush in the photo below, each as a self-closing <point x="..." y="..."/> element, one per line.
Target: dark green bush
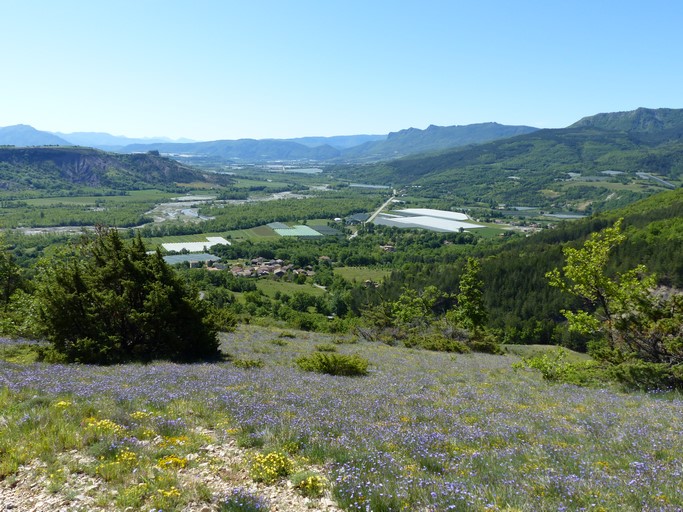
<point x="248" y="363"/>
<point x="646" y="376"/>
<point x="334" y="364"/>
<point x="107" y="301"/>
<point x="436" y="342"/>
<point x="485" y="342"/>
<point x="326" y="347"/>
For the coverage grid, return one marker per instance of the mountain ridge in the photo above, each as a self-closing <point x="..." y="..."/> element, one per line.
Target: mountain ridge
<point x="64" y="167"/>
<point x="643" y="120"/>
<point x="433" y="138"/>
<point x="396" y="144"/>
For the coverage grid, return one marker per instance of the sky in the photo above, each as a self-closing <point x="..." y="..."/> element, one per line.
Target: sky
<point x="222" y="69"/>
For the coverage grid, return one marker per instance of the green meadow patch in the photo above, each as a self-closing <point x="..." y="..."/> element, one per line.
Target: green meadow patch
<point x="361" y="274"/>
<point x="271" y="286"/>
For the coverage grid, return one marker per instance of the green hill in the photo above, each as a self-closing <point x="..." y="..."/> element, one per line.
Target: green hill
<point x="66" y="167"/>
<point x="584" y="167"/>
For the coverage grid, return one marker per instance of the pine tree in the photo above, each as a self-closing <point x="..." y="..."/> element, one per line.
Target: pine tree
<point x="108" y="301"/>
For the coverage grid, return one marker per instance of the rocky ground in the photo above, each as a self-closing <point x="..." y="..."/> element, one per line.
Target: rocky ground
<point x="223" y="468"/>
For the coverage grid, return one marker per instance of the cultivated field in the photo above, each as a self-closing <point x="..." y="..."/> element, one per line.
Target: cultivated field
<point x="362" y="273"/>
<point x="423" y="431"/>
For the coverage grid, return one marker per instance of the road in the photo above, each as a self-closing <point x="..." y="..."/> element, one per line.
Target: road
<point x="645" y="175"/>
<point x="379" y="210"/>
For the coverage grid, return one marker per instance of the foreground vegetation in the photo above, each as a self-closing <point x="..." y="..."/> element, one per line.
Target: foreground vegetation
<point x="422" y="431"/>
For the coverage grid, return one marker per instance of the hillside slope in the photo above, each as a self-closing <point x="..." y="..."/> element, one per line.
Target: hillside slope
<point x="517" y="295"/>
<point x="433" y="138"/>
<point x="550" y="168"/>
<point x="49" y="167"/>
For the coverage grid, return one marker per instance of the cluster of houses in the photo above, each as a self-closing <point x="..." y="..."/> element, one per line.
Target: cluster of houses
<point x="257" y="267"/>
<point x="261" y="267"/>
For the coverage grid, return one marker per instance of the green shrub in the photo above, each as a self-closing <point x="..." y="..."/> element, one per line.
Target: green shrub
<point x="643" y="375"/>
<point x="326" y="347"/>
<point x="556" y="368"/>
<point x="222" y="318"/>
<point x="334" y="364"/>
<point x="22" y="353"/>
<point x="248" y="363"/>
<point x="345" y="341"/>
<point x="309" y="483"/>
<point x="485" y="342"/>
<point x="436" y="342"/>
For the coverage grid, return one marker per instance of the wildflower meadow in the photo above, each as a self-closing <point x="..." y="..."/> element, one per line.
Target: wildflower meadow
<point x="422" y="431"/>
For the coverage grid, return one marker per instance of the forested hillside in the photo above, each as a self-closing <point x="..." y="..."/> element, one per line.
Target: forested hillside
<point x="516" y="292"/>
<point x="598" y="160"/>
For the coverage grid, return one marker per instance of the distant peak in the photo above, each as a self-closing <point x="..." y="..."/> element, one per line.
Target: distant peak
<point x="639" y="120"/>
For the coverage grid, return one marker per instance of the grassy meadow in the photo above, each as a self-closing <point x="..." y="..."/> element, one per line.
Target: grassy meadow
<point x="424" y="431"/>
<point x="361" y="274"/>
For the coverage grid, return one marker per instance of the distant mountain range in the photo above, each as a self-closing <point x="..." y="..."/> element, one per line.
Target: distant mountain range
<point x="25" y="135"/>
<point x="337" y="149"/>
<point x="641" y="140"/>
<point x="111" y="142"/>
<point x="22" y="135"/>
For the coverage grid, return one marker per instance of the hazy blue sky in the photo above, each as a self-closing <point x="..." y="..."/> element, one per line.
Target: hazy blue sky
<point x="219" y="69"/>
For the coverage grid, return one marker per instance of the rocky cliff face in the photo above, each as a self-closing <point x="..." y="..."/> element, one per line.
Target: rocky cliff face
<point x="89" y="167"/>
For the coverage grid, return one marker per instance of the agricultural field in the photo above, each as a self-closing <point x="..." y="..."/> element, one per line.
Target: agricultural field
<point x="270" y="287"/>
<point x="422" y="431"/>
<point x="258" y="233"/>
<point x="361" y="274"/>
<point x="153" y="243"/>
